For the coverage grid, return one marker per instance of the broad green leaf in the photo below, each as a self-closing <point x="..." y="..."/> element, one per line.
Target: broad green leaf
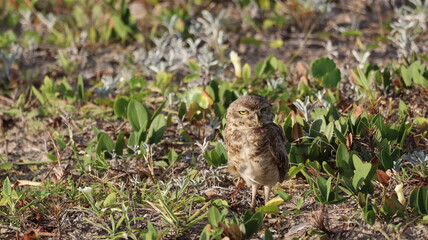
<point x="285" y="196"/>
<point x="172" y="156"/>
<point x="246" y="72"/>
<point x="253" y="225"/>
<point x="340" y="136"/>
<point x="361" y="173"/>
<point x="120" y="143"/>
<point x="406" y="75"/>
<point x="369" y="217"/>
<point x="260" y="68"/>
<point x="328" y="169"/>
<point x="317" y="128"/>
<point x="138" y="115"/>
<point x="294" y="170"/>
<point x="343" y="160"/>
<point x="7" y="189"/>
<point x="322" y="187"/>
<point x="110" y="200"/>
<point x="322" y="66"/>
<point x="157" y="129"/>
<point x="214" y="216"/>
<point x="121" y="106"/>
<point x="331" y="78"/>
<point x="268" y="235"/>
<point x="328" y="131"/>
<point x="104" y="143"/>
<point x="419" y="199"/>
<point x="158" y="111"/>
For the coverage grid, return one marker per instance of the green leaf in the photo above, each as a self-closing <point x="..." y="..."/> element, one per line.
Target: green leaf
<point x="328" y="131"/>
<point x="121" y="106"/>
<point x="406" y="75"/>
<point x="260" y="68"/>
<point x="322" y="66"/>
<point x="158" y="110"/>
<point x="343" y="160"/>
<point x="157" y="129"/>
<point x="120" y="143"/>
<point x="110" y="200"/>
<point x="138" y="115"/>
<point x="294" y="170"/>
<point x="214" y="216"/>
<point x="38" y="95"/>
<point x="6" y="165"/>
<point x="340" y="136"/>
<point x="246" y="72"/>
<point x="317" y="128"/>
<point x="268" y="235"/>
<point x="276" y="44"/>
<point x="328" y="169"/>
<point x="163" y="80"/>
<point x="104" y="143"/>
<point x="172" y="156"/>
<point x="217" y="156"/>
<point x="369" y="217"/>
<point x="361" y="173"/>
<point x="161" y="164"/>
<point x="80" y="88"/>
<point x="7" y="189"/>
<point x="285" y="196"/>
<point x="419" y="199"/>
<point x="331" y="78"/>
<point x="121" y="29"/>
<point x="253" y="225"/>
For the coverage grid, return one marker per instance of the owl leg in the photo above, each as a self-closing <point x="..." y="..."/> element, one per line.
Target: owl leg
<point x="253" y="195"/>
<point x="267" y="192"/>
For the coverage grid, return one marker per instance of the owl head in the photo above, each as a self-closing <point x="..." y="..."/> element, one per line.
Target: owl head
<point x="249" y="112"/>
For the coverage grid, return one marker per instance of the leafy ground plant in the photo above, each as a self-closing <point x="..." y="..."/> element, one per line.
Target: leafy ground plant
<point x="112" y="115"/>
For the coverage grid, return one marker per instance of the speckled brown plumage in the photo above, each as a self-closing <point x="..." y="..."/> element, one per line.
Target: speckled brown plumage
<point x="255" y="144"/>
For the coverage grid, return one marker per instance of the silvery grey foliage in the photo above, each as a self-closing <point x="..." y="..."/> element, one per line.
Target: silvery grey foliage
<point x="361" y="57"/>
<point x="417" y="159"/>
<point x="274" y="83"/>
<point x="209" y="28"/>
<point x="8" y="58"/>
<point x="320" y="99"/>
<point x="109" y="84"/>
<point x="26" y="19"/>
<point x="410" y="23"/>
<point x="305" y="107"/>
<point x="323" y="6"/>
<point x="332" y="51"/>
<point x="172" y="53"/>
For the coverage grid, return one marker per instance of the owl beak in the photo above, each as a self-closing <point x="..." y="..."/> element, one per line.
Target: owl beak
<point x="257" y="119"/>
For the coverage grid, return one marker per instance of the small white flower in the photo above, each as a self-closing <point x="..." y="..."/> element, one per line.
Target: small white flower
<point x="86" y="190"/>
<point x="242" y="228"/>
<point x="236" y="61"/>
<point x="399" y="190"/>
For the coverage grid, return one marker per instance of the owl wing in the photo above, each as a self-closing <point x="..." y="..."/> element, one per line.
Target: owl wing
<point x="277" y="148"/>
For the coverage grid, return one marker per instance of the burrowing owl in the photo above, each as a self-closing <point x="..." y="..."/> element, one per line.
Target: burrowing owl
<point x="255" y="145"/>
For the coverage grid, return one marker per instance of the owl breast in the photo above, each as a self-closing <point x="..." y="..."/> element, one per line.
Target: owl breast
<point x="249" y="154"/>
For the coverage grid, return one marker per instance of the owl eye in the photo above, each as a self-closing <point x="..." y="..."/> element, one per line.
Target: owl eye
<point x="264" y="109"/>
<point x="243" y="112"/>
